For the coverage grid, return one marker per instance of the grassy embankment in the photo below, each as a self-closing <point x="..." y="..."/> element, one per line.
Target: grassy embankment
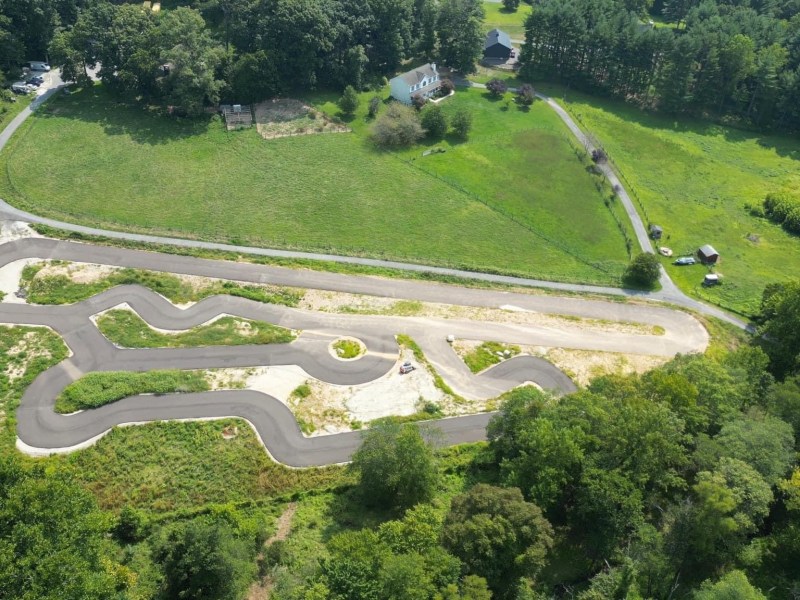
<point x="485" y="355"/>
<point x="347" y="349"/>
<point x="126" y="329"/>
<point x="61" y="289"/>
<point x="512" y="199"/>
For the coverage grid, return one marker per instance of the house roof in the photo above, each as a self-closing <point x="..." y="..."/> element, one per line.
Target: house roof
<point x="708" y="250"/>
<point x="414" y="76"/>
<point x="495" y="36"/>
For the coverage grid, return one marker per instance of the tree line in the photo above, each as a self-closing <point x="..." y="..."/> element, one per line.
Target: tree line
<point x="242" y="51"/>
<point x="727" y="59"/>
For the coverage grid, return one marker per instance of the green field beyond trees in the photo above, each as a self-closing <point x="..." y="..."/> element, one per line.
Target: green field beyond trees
<point x="694" y="179"/>
<point x="89" y="159"/>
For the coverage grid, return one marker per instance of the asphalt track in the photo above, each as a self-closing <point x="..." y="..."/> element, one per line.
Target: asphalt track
<point x="42" y="430"/>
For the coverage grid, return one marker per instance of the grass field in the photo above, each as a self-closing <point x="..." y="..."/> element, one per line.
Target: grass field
<point x="513" y="23"/>
<point x="326" y="192"/>
<point x="125" y="328"/>
<point x="694" y="178"/>
<point x="9" y="110"/>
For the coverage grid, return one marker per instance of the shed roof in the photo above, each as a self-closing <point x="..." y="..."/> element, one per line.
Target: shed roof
<point x="656" y="228"/>
<point x="414" y="76"/>
<point x="495" y="36"/>
<point x="708" y="250"/>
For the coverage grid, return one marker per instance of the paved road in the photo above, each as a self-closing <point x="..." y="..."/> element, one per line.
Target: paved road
<point x="40" y="428"/>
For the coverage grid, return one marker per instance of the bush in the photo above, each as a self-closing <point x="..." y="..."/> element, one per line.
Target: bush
<point x="399" y="126"/>
<point x="374" y="106"/>
<point x="644" y="270"/>
<point x="462" y="123"/>
<point x="447" y="86"/>
<point x="434" y="121"/>
<point x="526" y="94"/>
<point x="511" y="5"/>
<point x="599" y="155"/>
<point x="497" y="87"/>
<point x="784" y="208"/>
<point x="418" y="102"/>
<point x="349" y="100"/>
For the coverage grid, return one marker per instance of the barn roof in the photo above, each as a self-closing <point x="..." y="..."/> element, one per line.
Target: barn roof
<point x="708" y="250"/>
<point x="495" y="36"/>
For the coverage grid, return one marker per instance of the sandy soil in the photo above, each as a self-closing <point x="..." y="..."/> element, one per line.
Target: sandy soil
<point x="338" y="302"/>
<point x="581" y="365"/>
<point x="10" y="273"/>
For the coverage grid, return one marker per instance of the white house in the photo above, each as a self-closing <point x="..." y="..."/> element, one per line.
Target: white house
<point x="423" y="81"/>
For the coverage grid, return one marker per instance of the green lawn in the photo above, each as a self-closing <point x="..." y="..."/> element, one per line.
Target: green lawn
<point x="121" y="167"/>
<point x="694" y="179"/>
<point x="9" y="110"/>
<point x="513" y="23"/>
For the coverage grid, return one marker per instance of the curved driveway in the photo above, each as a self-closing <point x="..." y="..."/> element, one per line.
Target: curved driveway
<point x="39" y="427"/>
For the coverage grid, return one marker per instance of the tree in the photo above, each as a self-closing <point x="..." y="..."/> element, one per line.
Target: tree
<point x="203" y="560"/>
<point x="434" y="121"/>
<point x="497" y="534"/>
<point x="349" y="101"/>
<point x="460" y="32"/>
<point x="780" y="327"/>
<point x="608" y="509"/>
<point x="732" y="586"/>
<point x="396" y="466"/>
<point x="525" y="94"/>
<point x="783" y="401"/>
<point x="53" y="543"/>
<point x="497" y="87"/>
<point x="446" y="87"/>
<point x="765" y="443"/>
<point x="374" y="106"/>
<point x="253" y="78"/>
<point x="462" y="123"/>
<point x="399" y="126"/>
<point x="644" y="270"/>
<point x="511" y="5"/>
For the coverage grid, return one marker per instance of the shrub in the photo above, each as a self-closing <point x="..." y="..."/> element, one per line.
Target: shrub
<point x="418" y="102"/>
<point x="434" y="121"/>
<point x="497" y="87"/>
<point x="783" y="208"/>
<point x="397" y="127"/>
<point x="349" y="100"/>
<point x="526" y="94"/>
<point x="599" y="155"/>
<point x="374" y="106"/>
<point x="511" y="5"/>
<point x="644" y="270"/>
<point x="462" y="123"/>
<point x="447" y="86"/>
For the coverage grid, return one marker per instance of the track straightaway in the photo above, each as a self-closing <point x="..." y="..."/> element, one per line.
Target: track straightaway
<point x="40" y="427"/>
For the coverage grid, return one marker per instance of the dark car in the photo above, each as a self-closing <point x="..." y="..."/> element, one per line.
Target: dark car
<point x="36" y="80"/>
<point x="685" y="260"/>
<point x="406" y="367"/>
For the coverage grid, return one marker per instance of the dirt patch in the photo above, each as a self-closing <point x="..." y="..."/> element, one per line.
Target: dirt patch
<point x="262" y="589"/>
<point x="581" y="365"/>
<point x="283" y="117"/>
<point x="77" y="272"/>
<point x="344" y="303"/>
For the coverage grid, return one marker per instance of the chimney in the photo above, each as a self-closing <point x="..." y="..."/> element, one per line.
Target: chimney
<point x="433" y="66"/>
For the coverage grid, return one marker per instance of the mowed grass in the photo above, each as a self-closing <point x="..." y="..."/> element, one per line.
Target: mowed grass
<point x="87" y="158"/>
<point x="513" y="23"/>
<point x="125" y="328"/>
<point x="694" y="179"/>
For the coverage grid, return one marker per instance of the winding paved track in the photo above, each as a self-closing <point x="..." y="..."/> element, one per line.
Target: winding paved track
<point x="41" y="428"/>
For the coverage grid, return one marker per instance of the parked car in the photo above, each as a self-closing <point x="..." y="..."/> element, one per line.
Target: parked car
<point x="36" y="80"/>
<point x="685" y="260"/>
<point x="406" y="367"/>
<point x="38" y="66"/>
<point x="20" y="87"/>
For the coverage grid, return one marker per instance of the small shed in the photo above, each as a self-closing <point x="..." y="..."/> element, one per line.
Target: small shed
<point x="708" y="255"/>
<point x="497" y="45"/>
<point x="656" y="231"/>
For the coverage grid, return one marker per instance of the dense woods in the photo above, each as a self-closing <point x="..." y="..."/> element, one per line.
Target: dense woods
<point x="739" y="60"/>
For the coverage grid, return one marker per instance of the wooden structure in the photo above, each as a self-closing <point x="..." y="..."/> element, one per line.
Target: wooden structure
<point x="237" y="116"/>
<point x="708" y="255"/>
